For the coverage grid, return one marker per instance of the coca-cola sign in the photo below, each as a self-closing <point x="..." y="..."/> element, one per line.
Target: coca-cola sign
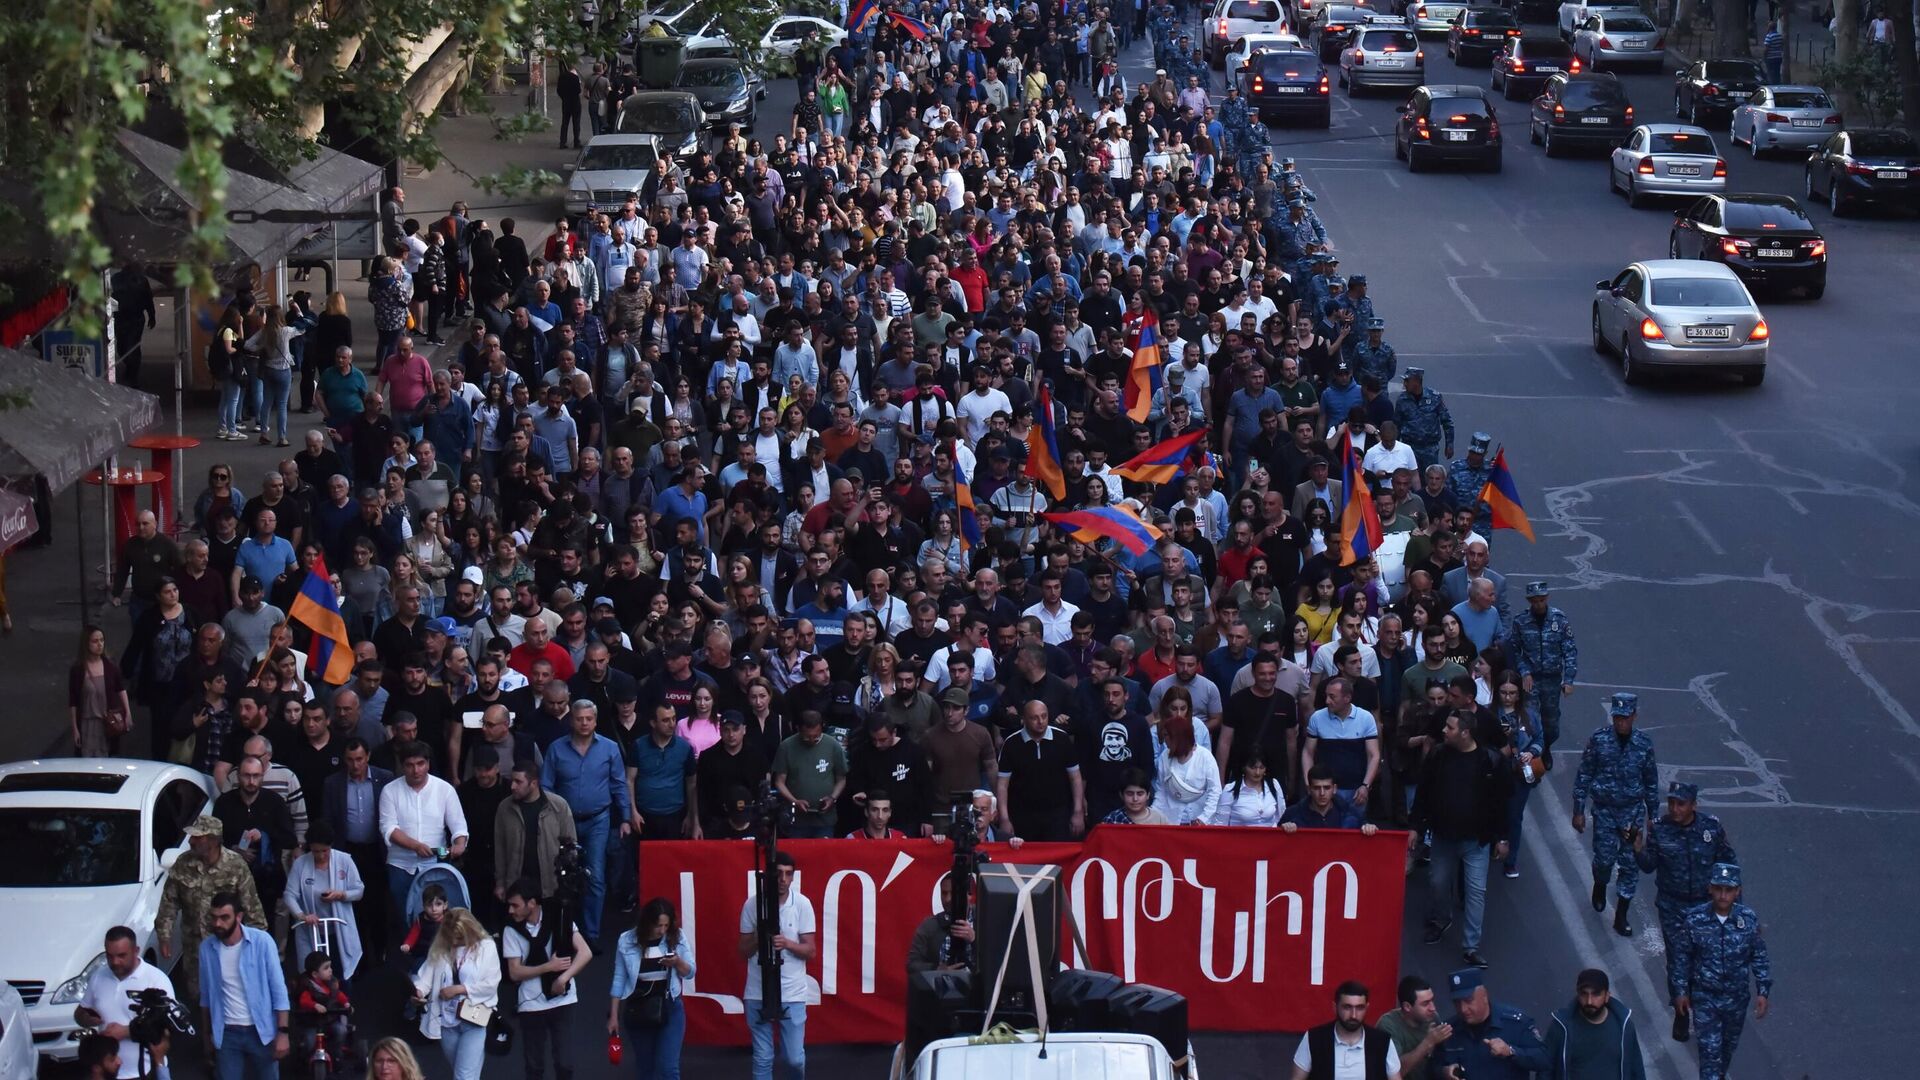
<point x="1254" y="926"/>
<point x="17" y="520"/>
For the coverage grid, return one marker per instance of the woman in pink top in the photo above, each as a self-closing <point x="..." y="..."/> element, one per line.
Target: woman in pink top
<point x="700" y="726"/>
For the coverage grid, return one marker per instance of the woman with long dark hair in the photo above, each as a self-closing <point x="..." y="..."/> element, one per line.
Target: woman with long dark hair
<point x="1254" y="797"/>
<point x="97" y="705"/>
<point x="651" y="964"/>
<point x="1524" y="747"/>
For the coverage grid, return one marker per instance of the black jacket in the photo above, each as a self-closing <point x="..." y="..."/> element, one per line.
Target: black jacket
<point x="1463" y="795"/>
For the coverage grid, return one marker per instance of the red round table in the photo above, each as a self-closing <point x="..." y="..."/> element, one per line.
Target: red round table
<point x="165" y="449"/>
<point x="126" y="485"/>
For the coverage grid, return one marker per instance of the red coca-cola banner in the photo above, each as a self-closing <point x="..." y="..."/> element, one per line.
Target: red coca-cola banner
<point x="1254" y="926"/>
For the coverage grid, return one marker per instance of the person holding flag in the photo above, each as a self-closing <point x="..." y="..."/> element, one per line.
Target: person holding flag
<point x="1043" y="447"/>
<point x="1146" y="374"/>
<point x="1359" y="521"/>
<point x="317" y="607"/>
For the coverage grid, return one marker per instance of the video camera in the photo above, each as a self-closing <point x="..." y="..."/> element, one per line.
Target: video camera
<point x="156" y="1016"/>
<point x="570" y="874"/>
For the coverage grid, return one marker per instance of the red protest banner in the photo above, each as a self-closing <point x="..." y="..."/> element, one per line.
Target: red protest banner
<point x="1254" y="926"/>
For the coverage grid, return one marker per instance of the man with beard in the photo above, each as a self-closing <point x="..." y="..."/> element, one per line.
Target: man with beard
<point x="1594" y="1038"/>
<point x="1348" y="1045"/>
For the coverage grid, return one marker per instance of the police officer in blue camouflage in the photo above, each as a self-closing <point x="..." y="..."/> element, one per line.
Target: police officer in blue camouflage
<point x="1544" y="653"/>
<point x="1314" y="291"/>
<point x="1425" y="422"/>
<point x="1719" y="956"/>
<point x="1363" y="312"/>
<point x="1374" y="356"/>
<point x="1491" y="1040"/>
<point x="1619" y="776"/>
<point x="1303" y="230"/>
<point x="1161" y="27"/>
<point x="1468" y="478"/>
<point x="1233" y="118"/>
<point x="1255" y="146"/>
<point x="1681" y="851"/>
<point x="1293" y="183"/>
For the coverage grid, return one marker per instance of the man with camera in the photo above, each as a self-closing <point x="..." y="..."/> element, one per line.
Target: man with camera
<point x="544" y="951"/>
<point x="794" y="944"/>
<point x="111" y="998"/>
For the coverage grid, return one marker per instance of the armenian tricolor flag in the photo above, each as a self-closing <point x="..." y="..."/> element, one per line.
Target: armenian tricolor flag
<point x="1164" y="461"/>
<point x="963" y="502"/>
<point x="1147" y="372"/>
<point x="317" y="606"/>
<point x="1116" y="523"/>
<point x="911" y="26"/>
<point x="862" y="14"/>
<point x="1502" y="496"/>
<point x="1043" y="448"/>
<point x="1359" y="521"/>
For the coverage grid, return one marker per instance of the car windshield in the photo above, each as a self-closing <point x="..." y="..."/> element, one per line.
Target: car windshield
<point x="1765" y="215"/>
<point x="50" y="847"/>
<point x="715" y="75"/>
<point x="1801" y="99"/>
<point x="1880" y="143"/>
<point x="617" y="156"/>
<point x="1462" y="107"/>
<point x="1286" y="65"/>
<point x="1492" y="19"/>
<point x="1699" y="293"/>
<point x="1680" y="142"/>
<point x="1346" y="15"/>
<point x="655" y="116"/>
<point x="1591" y="94"/>
<point x="1732" y="71"/>
<point x="1396" y="41"/>
<point x="1628" y="24"/>
<point x="1256" y="10"/>
<point x="1543" y="48"/>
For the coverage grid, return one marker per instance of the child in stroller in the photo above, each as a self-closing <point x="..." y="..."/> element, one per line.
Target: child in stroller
<point x="426" y="925"/>
<point x="323" y="1004"/>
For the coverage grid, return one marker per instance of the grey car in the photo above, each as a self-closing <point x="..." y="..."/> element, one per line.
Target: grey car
<point x="1680" y="313"/>
<point x="1619" y="38"/>
<point x="728" y="90"/>
<point x="1666" y="159"/>
<point x="674" y="115"/>
<point x="1785" y="118"/>
<point x="1383" y="55"/>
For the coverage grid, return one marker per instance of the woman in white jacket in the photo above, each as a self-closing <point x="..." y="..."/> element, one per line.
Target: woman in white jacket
<point x="462" y="970"/>
<point x="1186" y="786"/>
<point x="1254" y="798"/>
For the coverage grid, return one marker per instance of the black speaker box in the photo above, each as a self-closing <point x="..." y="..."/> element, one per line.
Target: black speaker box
<point x="996" y="921"/>
<point x="1083" y="1000"/>
<point x="1153" y="1012"/>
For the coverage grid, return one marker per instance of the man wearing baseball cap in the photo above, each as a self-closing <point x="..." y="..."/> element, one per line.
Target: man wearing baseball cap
<point x="1491" y="1040"/>
<point x="206" y="870"/>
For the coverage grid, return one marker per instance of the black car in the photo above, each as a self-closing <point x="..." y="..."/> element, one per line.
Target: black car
<point x="1479" y="33"/>
<point x="1534" y="11"/>
<point x="1287" y="84"/>
<point x="1333" y="27"/>
<point x="1766" y="239"/>
<point x="1525" y="64"/>
<point x="728" y="90"/>
<point x="1447" y="123"/>
<point x="1586" y="110"/>
<point x="1709" y="89"/>
<point x="1865" y="166"/>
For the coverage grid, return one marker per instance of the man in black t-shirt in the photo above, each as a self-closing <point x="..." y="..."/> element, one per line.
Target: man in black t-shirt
<point x="1284" y="540"/>
<point x="1262" y="716"/>
<point x="1042" y="796"/>
<point x="1112" y="743"/>
<point x="429" y="705"/>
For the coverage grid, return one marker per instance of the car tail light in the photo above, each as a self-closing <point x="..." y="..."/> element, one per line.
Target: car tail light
<point x="1470" y="32"/>
<point x="1645" y="169"/>
<point x="1420" y="56"/>
<point x="1660" y="42"/>
<point x="1760" y="331"/>
<point x="1776" y="118"/>
<point x="1836" y="119"/>
<point x="1709" y="90"/>
<point x="1734" y="247"/>
<point x="1860" y="170"/>
<point x="1519" y="67"/>
<point x="1604" y="43"/>
<point x="1817" y="249"/>
<point x="1493" y="129"/>
<point x="1559" y="114"/>
<point x="1420" y="126"/>
<point x="1324" y="88"/>
<point x="1259" y="84"/>
<point x="1359" y="57"/>
<point x="1223" y="28"/>
<point x="1421" y="11"/>
<point x="1629" y="114"/>
<point x="1458" y="118"/>
<point x="1720" y="169"/>
<point x="1574" y="65"/>
<point x="1650" y="330"/>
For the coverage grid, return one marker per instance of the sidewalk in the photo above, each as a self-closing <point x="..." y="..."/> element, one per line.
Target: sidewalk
<point x="1809" y="44"/>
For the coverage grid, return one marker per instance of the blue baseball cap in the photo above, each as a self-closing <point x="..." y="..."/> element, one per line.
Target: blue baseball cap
<point x="1462" y="983"/>
<point x="1624" y="704"/>
<point x="1725" y="873"/>
<point x="1536" y="588"/>
<point x="1680" y="789"/>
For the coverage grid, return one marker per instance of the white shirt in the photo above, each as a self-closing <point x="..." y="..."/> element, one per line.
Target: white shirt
<point x="533" y="998"/>
<point x="976" y="408"/>
<point x="1379" y="459"/>
<point x="1252" y="806"/>
<point x="431" y="815"/>
<point x="796" y="920"/>
<point x="982" y="667"/>
<point x="106" y="994"/>
<point x="1057" y="628"/>
<point x="1349" y="1059"/>
<point x="1323" y="660"/>
<point x="893" y="614"/>
<point x="233" y="991"/>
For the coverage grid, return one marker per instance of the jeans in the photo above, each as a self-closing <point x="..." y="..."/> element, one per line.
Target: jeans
<point x="593" y="854"/>
<point x="229" y="416"/>
<point x="1449" y="856"/>
<point x="596" y="118"/>
<point x="1516" y="814"/>
<point x="656" y="1051"/>
<point x="275" y="384"/>
<point x="836" y="124"/>
<point x="464" y="1046"/>
<point x="539" y="1029"/>
<point x="793" y="1040"/>
<point x="242" y="1056"/>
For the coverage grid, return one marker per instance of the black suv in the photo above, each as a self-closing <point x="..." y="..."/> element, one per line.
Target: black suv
<point x="1447" y="123"/>
<point x="1525" y="65"/>
<point x="1589" y="109"/>
<point x="1766" y="239"/>
<point x="1289" y="84"/>
<point x="1480" y="33"/>
<point x="1711" y="89"/>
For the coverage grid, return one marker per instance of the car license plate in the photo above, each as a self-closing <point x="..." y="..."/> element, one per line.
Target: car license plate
<point x="1774" y="253"/>
<point x="1594" y="120"/>
<point x="1710" y="333"/>
<point x="1545" y="70"/>
<point x="1800" y="123"/>
<point x="1633" y="44"/>
<point x="1290" y="89"/>
<point x="1455" y="136"/>
<point x="1683" y="170"/>
<point x="1890" y="174"/>
<point x="1392" y="61"/>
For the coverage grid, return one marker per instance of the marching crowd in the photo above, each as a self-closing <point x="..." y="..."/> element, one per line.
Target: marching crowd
<point x="744" y="484"/>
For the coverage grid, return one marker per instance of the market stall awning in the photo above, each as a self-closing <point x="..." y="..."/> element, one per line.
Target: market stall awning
<point x="59" y="423"/>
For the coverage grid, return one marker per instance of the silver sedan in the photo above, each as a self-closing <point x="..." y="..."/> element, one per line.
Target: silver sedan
<point x="1680" y="313"/>
<point x="1785" y="118"/>
<point x="1619" y="38"/>
<point x="1666" y="159"/>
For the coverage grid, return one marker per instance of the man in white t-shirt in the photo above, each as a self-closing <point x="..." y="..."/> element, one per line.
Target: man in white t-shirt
<point x="105" y="1005"/>
<point x="977" y="407"/>
<point x="543" y="956"/>
<point x="796" y="941"/>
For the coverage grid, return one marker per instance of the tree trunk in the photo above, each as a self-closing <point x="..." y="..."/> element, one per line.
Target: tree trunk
<point x="1730" y="28"/>
<point x="1846" y="46"/>
<point x="431" y="81"/>
<point x="1906" y="66"/>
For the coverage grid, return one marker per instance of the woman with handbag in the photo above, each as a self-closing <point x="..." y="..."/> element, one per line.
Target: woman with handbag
<point x="1525" y="755"/>
<point x="458" y="988"/>
<point x="97" y="704"/>
<point x="651" y="962"/>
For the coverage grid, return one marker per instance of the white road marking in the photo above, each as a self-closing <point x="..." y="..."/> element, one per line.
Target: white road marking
<point x="1554" y="360"/>
<point x="1792" y="369"/>
<point x="1452" y="253"/>
<point x="1699" y="527"/>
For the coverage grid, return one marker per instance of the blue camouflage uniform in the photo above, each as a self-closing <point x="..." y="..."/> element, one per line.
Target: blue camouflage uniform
<point x="1375" y="360"/>
<point x="1713" y="963"/>
<point x="1294" y="183"/>
<point x="1468" y="480"/>
<point x="1622" y="780"/>
<point x="1314" y="291"/>
<point x="1543" y="647"/>
<point x="1467" y="1046"/>
<point x="1161" y="27"/>
<point x="1255" y="145"/>
<point x="1425" y="422"/>
<point x="1363" y="317"/>
<point x="1681" y="859"/>
<point x="1233" y="120"/>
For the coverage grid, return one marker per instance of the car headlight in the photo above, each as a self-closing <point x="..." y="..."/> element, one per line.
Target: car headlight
<point x="70" y="992"/>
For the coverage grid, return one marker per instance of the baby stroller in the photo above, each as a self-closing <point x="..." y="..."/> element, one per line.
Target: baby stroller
<point x="443" y="875"/>
<point x="328" y="1043"/>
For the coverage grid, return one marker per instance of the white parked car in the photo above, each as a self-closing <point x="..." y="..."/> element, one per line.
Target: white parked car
<point x="18" y="1059"/>
<point x="609" y="169"/>
<point x="1680" y="313"/>
<point x="1785" y="118"/>
<point x="784" y="37"/>
<point x="1666" y="159"/>
<point x="90" y="842"/>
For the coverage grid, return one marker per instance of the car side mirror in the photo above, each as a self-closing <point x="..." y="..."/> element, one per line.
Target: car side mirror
<point x="1400" y="108"/>
<point x="1603" y="283"/>
<point x="567" y="168"/>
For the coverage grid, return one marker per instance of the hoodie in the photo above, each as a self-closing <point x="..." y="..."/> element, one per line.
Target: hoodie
<point x="1577" y="1051"/>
